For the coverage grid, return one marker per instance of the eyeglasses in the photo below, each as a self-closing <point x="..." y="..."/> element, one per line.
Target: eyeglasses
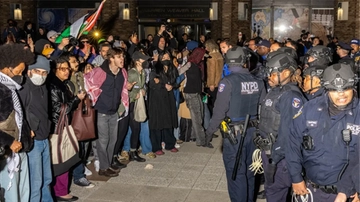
<point x="84" y="41"/>
<point x="64" y="69"/>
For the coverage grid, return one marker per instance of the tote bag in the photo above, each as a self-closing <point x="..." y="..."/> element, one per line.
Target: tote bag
<point x="64" y="144"/>
<point x="140" y="109"/>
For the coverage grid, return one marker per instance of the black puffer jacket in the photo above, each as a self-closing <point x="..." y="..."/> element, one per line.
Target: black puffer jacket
<point x="61" y="94"/>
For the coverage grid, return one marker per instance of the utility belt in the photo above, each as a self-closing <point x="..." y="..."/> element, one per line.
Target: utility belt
<point x="329" y="189"/>
<point x="231" y="130"/>
<point x="264" y="144"/>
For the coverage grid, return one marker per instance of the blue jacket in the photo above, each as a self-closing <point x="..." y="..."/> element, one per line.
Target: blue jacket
<point x="287" y="105"/>
<point x="236" y="101"/>
<point x="318" y="93"/>
<point x="325" y="161"/>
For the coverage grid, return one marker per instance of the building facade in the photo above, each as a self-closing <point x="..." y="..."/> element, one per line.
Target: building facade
<point x="216" y="18"/>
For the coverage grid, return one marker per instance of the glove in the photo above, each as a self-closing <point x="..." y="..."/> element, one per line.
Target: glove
<point x="270" y="173"/>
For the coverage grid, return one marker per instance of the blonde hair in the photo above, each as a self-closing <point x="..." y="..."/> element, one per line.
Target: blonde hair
<point x="211" y="45"/>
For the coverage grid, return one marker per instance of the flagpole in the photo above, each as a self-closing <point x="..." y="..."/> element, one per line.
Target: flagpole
<point x="82" y="31"/>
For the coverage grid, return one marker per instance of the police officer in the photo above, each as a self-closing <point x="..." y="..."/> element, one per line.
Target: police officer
<point x="316" y="60"/>
<point x="355" y="52"/>
<point x="238" y="95"/>
<point x="343" y="50"/>
<point x="318" y="56"/>
<point x="277" y="109"/>
<point x="312" y="82"/>
<point x="324" y="136"/>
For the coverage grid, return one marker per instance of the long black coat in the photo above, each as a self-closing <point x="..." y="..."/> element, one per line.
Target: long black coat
<point x="162" y="105"/>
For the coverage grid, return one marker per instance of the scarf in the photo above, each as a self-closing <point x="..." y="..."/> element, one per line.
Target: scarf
<point x="13" y="161"/>
<point x="93" y="82"/>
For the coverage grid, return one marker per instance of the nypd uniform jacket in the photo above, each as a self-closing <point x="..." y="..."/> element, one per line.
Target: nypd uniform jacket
<point x="277" y="111"/>
<point x="318" y="93"/>
<point x="349" y="183"/>
<point x="238" y="95"/>
<point x="324" y="162"/>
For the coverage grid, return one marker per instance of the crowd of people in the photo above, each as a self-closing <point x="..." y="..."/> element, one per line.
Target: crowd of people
<point x="151" y="95"/>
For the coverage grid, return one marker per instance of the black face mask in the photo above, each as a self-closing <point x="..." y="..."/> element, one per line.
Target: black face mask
<point x="145" y="64"/>
<point x="166" y="62"/>
<point x="180" y="61"/>
<point x="11" y="24"/>
<point x="18" y="79"/>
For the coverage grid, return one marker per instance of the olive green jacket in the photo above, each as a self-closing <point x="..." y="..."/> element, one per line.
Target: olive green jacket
<point x="139" y="78"/>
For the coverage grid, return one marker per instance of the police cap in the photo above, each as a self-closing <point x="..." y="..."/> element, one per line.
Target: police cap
<point x="279" y="62"/>
<point x="344" y="46"/>
<point x="339" y="77"/>
<point x="236" y="56"/>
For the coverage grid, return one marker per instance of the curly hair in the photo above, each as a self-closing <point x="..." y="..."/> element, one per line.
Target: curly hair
<point x="296" y="77"/>
<point x="11" y="55"/>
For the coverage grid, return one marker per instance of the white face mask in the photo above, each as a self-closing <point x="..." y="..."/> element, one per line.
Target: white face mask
<point x="37" y="79"/>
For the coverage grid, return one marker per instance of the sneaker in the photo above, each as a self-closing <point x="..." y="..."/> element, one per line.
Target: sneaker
<point x="97" y="165"/>
<point x="179" y="141"/>
<point x="124" y="155"/>
<point x="177" y="146"/>
<point x="174" y="150"/>
<point x="87" y="171"/>
<point x="83" y="182"/>
<point x="151" y="155"/>
<point x="159" y="153"/>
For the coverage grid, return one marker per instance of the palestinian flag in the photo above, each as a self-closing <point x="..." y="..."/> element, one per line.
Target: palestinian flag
<point x="82" y="25"/>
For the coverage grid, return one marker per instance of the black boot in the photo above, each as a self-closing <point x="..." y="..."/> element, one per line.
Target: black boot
<point x="134" y="156"/>
<point x="118" y="163"/>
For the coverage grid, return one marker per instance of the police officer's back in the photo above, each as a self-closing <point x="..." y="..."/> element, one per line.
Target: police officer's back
<point x="320" y="140"/>
<point x="238" y="95"/>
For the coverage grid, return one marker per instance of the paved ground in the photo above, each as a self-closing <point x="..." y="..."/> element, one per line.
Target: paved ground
<point x="194" y="174"/>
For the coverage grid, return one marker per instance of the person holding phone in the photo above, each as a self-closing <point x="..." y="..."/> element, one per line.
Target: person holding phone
<point x="164" y="36"/>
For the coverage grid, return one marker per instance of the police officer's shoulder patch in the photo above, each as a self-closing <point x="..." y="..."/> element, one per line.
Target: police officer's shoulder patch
<point x="298" y="113"/>
<point x="296" y="102"/>
<point x="221" y="87"/>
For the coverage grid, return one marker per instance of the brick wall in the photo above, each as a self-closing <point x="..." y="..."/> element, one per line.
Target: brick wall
<point x="240" y="25"/>
<point x="348" y="29"/>
<point x="216" y="25"/>
<point x="28" y="8"/>
<point x="111" y="22"/>
<point x="228" y="25"/>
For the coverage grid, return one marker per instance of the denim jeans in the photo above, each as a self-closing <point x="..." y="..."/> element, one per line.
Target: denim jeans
<point x="19" y="190"/>
<point x="206" y="116"/>
<point x="196" y="107"/>
<point x="105" y="144"/>
<point x="145" y="142"/>
<point x="40" y="171"/>
<point x="78" y="171"/>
